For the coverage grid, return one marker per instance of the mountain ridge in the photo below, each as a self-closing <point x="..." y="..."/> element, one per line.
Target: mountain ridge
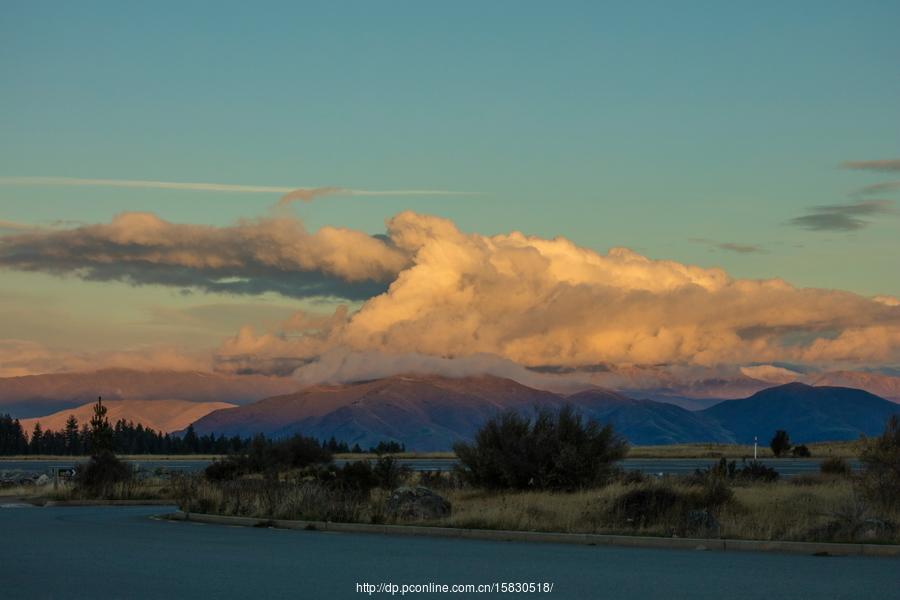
<point x="433" y="412"/>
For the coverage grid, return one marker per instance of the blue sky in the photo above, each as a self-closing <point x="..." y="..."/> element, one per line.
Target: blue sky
<point x="645" y="125"/>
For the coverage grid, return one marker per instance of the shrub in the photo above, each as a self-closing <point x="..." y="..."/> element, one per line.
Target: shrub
<point x="225" y="469"/>
<point x="880" y="460"/>
<point x="440" y="480"/>
<point x="389" y="472"/>
<point x="299" y="451"/>
<point x="781" y="443"/>
<point x="265" y="456"/>
<point x="801" y="451"/>
<point x="554" y="450"/>
<point x="104" y="470"/>
<point x="834" y="466"/>
<point x="757" y="471"/>
<point x="726" y="470"/>
<point x="661" y="503"/>
<point x="357" y="478"/>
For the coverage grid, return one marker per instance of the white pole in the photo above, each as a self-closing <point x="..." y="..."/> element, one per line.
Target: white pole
<point x="755" y="441"/>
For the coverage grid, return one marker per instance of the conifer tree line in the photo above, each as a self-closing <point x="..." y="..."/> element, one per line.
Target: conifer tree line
<point x="128" y="438"/>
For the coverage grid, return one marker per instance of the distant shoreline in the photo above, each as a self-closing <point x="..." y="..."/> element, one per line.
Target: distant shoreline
<point x="843" y="449"/>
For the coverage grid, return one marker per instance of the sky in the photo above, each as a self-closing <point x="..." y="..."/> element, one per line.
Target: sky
<point x="715" y="136"/>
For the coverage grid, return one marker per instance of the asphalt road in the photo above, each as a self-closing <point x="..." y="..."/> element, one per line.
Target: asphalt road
<point x="116" y="552"/>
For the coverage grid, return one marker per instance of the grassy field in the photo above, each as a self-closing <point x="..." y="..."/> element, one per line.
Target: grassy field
<point x="817" y="508"/>
<point x="734" y="451"/>
<point x="849" y="449"/>
<point x="777" y="511"/>
<point x="153" y="488"/>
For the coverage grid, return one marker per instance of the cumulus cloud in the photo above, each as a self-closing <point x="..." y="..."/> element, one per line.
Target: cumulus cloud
<point x="771" y="373"/>
<point x="342" y="365"/>
<point x="540" y="302"/>
<point x="889" y="166"/>
<point x="435" y="295"/>
<point x="250" y="257"/>
<point x="842" y="217"/>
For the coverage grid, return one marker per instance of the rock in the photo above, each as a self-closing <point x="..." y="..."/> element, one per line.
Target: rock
<point x="417" y="503"/>
<point x="872" y="529"/>
<point x="42" y="480"/>
<point x="702" y="521"/>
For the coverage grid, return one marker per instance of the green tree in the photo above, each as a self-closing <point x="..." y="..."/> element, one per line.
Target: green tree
<point x="37" y="440"/>
<point x="12" y="438"/>
<point x="781" y="443"/>
<point x="101" y="432"/>
<point x="71" y="434"/>
<point x="191" y="442"/>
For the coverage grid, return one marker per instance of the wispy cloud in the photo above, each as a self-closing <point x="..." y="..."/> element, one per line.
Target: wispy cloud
<point x="878" y="188"/>
<point x="889" y="166"/>
<point x="842" y="217"/>
<point x="14" y="226"/>
<point x="289" y="194"/>
<point x="730" y="246"/>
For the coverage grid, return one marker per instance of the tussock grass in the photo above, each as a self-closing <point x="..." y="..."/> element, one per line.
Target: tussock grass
<point x="144" y="489"/>
<point x="849" y="449"/>
<point x="829" y="510"/>
<point x="814" y="508"/>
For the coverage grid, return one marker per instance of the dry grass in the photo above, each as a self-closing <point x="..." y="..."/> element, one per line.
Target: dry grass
<point x="829" y="510"/>
<point x="814" y="508"/>
<point x="849" y="449"/>
<point x="151" y="488"/>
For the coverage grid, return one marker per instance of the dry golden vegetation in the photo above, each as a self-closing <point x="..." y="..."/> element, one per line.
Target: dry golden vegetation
<point x="850" y="449"/>
<point x="151" y="488"/>
<point x="828" y="510"/>
<point x="811" y="508"/>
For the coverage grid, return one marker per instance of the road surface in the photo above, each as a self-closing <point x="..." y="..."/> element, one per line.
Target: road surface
<point x="118" y="552"/>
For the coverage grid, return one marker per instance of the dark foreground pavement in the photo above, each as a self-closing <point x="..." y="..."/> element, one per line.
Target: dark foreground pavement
<point x="119" y="552"/>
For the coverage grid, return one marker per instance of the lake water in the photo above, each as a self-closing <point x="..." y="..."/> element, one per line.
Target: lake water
<point x="118" y="552"/>
<point x="786" y="466"/>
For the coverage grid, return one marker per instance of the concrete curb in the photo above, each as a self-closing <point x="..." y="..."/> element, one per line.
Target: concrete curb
<point x="587" y="539"/>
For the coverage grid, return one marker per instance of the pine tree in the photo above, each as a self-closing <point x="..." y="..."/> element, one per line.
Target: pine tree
<point x="191" y="443"/>
<point x="101" y="432"/>
<point x="37" y="439"/>
<point x="72" y="441"/>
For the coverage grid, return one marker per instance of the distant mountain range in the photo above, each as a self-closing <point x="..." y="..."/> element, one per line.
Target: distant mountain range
<point x="807" y="413"/>
<point x="432" y="412"/>
<point x="39" y="395"/>
<point x="703" y="393"/>
<point x="160" y="415"/>
<point x="424" y="412"/>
